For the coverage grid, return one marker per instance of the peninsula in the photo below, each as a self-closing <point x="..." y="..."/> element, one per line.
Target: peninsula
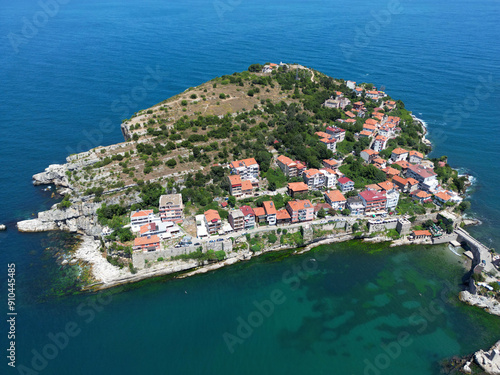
<point x="278" y="156"/>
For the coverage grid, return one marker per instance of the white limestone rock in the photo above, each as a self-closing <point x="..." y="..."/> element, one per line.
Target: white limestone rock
<point x="489" y="361"/>
<point x="53" y="174"/>
<point x="36" y="225"/>
<point x="491" y="305"/>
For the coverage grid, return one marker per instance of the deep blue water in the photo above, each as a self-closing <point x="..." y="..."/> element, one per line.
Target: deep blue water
<point x="87" y="66"/>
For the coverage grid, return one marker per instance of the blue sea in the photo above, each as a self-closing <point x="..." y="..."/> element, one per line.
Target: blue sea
<point x="71" y="71"/>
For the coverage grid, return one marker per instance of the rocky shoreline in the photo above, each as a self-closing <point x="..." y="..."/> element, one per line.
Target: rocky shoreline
<point x="81" y="218"/>
<point x="490" y="305"/>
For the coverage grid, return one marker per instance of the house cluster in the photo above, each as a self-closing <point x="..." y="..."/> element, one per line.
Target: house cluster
<point x="268" y="68"/>
<point x="331" y="137"/>
<point x="373" y="94"/>
<point x="246" y="217"/>
<point x="152" y="228"/>
<point x="244" y="178"/>
<point x="338" y="101"/>
<point x="410" y="176"/>
<point x="380" y="128"/>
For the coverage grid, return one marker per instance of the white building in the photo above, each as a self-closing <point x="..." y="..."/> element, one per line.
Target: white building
<point x="313" y="178"/>
<point x="392" y="199"/>
<point x="248" y="169"/>
<point x="426" y="177"/>
<point x="201" y="229"/>
<point x="330" y="178"/>
<point x="380" y="143"/>
<point x="139" y="218"/>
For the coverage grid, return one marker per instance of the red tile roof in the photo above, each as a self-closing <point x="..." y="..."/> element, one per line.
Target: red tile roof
<point x="412" y="181"/>
<point x="416" y="153"/>
<point x="243" y="163"/>
<point x="421" y="170"/>
<point x="422" y="233"/>
<point x="400" y="180"/>
<point x="247" y="210"/>
<point x="331" y="163"/>
<point x="269" y="207"/>
<point x="282" y="215"/>
<point x="386" y="185"/>
<point x="443" y="196"/>
<point x="234" y="179"/>
<point x="335" y="196"/>
<point x="259" y="211"/>
<point x="297" y="186"/>
<point x="300" y="204"/>
<point x="370" y="152"/>
<point x="372" y="195"/>
<point x="142" y="241"/>
<point x="320" y="206"/>
<point x="246" y="185"/>
<point x="147" y="227"/>
<point x="344" y="180"/>
<point x="142" y="213"/>
<point x="212" y="216"/>
<point x="399" y="151"/>
<point x="402" y="163"/>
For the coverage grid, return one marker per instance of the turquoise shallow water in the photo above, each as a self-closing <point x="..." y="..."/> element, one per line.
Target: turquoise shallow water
<point x="341" y="312"/>
<point x="82" y="67"/>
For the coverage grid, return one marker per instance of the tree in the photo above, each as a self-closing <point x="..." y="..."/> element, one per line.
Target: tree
<point x="223" y="214"/>
<point x="321" y="213"/>
<point x="171" y="163"/>
<point x="332" y="212"/>
<point x="355" y="227"/>
<point x="224" y="184"/>
<point x="346" y="212"/>
<point x="124" y="234"/>
<point x="272" y="238"/>
<point x="232" y="201"/>
<point x="463" y="206"/>
<point x="150" y="194"/>
<point x="255" y="68"/>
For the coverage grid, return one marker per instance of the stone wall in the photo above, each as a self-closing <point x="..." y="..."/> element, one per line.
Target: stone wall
<point x="139" y="258"/>
<point x="381" y="225"/>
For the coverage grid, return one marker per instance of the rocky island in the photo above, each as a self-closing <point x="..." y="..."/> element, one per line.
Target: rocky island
<point x="276" y="157"/>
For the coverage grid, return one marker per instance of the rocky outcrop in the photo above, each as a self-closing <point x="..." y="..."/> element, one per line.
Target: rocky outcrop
<point x="489" y="361"/>
<point x="36" y="225"/>
<point x="89" y="252"/>
<point x="127" y="134"/>
<point x="490" y="305"/>
<point x="53" y="174"/>
<point x="79" y="218"/>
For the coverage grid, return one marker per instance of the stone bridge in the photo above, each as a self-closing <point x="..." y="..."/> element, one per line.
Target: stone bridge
<point x="480" y="251"/>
